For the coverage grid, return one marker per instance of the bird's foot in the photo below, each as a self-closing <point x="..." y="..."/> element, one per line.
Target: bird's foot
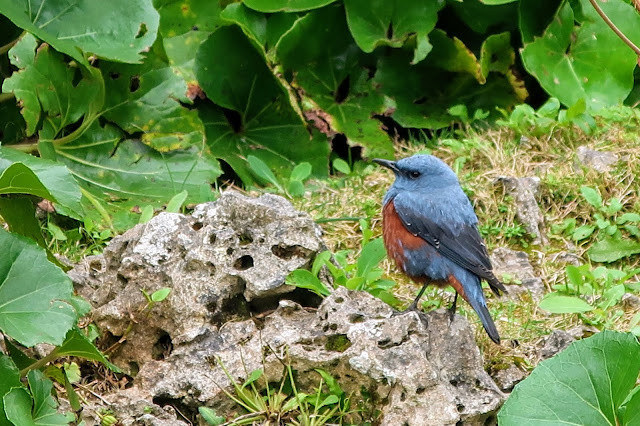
<point x="413" y="307"/>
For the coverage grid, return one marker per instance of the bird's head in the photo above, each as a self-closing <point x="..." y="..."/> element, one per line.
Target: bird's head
<point x="420" y="172"/>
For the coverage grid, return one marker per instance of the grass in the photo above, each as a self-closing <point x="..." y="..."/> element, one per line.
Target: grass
<point x="480" y="158"/>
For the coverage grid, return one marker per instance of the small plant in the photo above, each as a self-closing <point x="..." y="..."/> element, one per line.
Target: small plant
<point x="617" y="234"/>
<point x="283" y="403"/>
<point x="363" y="275"/>
<point x="595" y="291"/>
<point x="293" y="187"/>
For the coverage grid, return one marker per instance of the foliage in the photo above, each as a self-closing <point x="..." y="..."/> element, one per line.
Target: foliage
<point x="591" y="382"/>
<point x="283" y="402"/>
<point x="145" y="109"/>
<point x="363" y="275"/>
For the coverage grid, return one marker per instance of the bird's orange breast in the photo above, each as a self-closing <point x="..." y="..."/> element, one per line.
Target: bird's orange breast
<point x="396" y="237"/>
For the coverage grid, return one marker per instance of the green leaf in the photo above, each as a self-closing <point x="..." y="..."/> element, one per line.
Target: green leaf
<point x="560" y="304"/>
<point x="610" y="249"/>
<point x="583" y="232"/>
<point x="34" y="294"/>
<point x="10" y="379"/>
<point x="258" y="119"/>
<point x="592" y="196"/>
<point x="20" y="359"/>
<point x="584" y="384"/>
<point x="568" y="59"/>
<point x="370" y="21"/>
<point x="160" y="295"/>
<point x="19" y="179"/>
<point x="484" y="18"/>
<point x="305" y="279"/>
<point x="77" y="344"/>
<point x="628" y="217"/>
<point x="118" y="29"/>
<point x="210" y="416"/>
<point x="335" y="83"/>
<point x="38" y="408"/>
<point x="631" y="415"/>
<point x="149" y="98"/>
<point x="574" y="274"/>
<point x="261" y="170"/>
<point x="286" y="5"/>
<point x="146" y="214"/>
<point x="496" y="54"/>
<point x="342" y="166"/>
<point x="123" y="174"/>
<point x="47" y="91"/>
<point x="301" y="172"/>
<point x="54" y="179"/>
<point x="296" y="188"/>
<point x="255" y="375"/>
<point x="72" y="371"/>
<point x="176" y="202"/>
<point x="178" y="17"/>
<point x="372" y="254"/>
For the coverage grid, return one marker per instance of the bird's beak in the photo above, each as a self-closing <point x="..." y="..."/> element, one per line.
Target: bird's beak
<point x="386" y="163"/>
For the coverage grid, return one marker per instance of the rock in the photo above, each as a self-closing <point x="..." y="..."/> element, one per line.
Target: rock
<point x="420" y="373"/>
<point x="131" y="407"/>
<point x="524" y="192"/>
<point x="600" y="161"/>
<point x="567" y="258"/>
<point x="516" y="265"/>
<point x="557" y="341"/>
<point x="631" y="301"/>
<point x="229" y="257"/>
<point x="509" y="377"/>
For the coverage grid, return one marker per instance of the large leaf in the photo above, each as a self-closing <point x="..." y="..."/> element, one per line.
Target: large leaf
<point x="391" y="22"/>
<point x="125" y="174"/>
<point x="19" y="179"/>
<point x="583" y="385"/>
<point x="148" y="98"/>
<point x="423" y="93"/>
<point x="484" y="17"/>
<point x="54" y="179"/>
<point x="10" y="379"/>
<point x="47" y="90"/>
<point x="285" y="5"/>
<point x="585" y="59"/>
<point x="37" y="408"/>
<point x="560" y="304"/>
<point x="610" y="249"/>
<point x="257" y="119"/>
<point x="336" y="88"/>
<point x="77" y="344"/>
<point x="116" y="29"/>
<point x="34" y="294"/>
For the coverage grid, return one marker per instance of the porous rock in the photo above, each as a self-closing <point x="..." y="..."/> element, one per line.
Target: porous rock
<point x="507" y="378"/>
<point x="557" y="341"/>
<point x="524" y="192"/>
<point x="227" y="254"/>
<point x="516" y="265"/>
<point x="419" y="371"/>
<point x="600" y="161"/>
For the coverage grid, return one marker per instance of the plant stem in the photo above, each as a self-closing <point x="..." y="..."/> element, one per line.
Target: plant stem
<point x="4" y="49"/>
<point x="6" y="96"/>
<point x="615" y="29"/>
<point x="24" y="147"/>
<point x="41" y="362"/>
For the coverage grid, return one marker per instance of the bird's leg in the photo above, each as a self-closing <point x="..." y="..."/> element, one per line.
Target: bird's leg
<point x="414" y="305"/>
<point x="452" y="309"/>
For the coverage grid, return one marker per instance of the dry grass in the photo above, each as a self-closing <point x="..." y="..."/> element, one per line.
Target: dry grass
<point x="480" y="158"/>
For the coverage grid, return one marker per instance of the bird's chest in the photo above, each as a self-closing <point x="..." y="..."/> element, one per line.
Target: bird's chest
<point x="413" y="255"/>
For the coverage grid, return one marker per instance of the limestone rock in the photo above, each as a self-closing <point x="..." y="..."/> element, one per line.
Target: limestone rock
<point x="509" y="377"/>
<point x="423" y="373"/>
<point x="229" y="256"/>
<point x="600" y="161"/>
<point x="516" y="264"/>
<point x="557" y="341"/>
<point x="524" y="192"/>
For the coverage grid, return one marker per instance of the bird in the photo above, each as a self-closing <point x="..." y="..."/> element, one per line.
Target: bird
<point x="430" y="230"/>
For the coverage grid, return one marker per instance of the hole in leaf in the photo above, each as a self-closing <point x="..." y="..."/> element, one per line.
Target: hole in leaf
<point x="342" y="91"/>
<point x="114" y="75"/>
<point x="420" y="101"/>
<point x="390" y="31"/>
<point x="234" y="119"/>
<point x="142" y="30"/>
<point x="134" y="83"/>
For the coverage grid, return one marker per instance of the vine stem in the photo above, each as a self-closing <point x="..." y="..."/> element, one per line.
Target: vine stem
<point x="615" y="29"/>
<point x="53" y="355"/>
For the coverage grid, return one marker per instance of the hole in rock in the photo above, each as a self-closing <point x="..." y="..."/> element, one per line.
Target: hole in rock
<point x="162" y="348"/>
<point x="245" y="238"/>
<point x="288" y="252"/>
<point x="230" y="251"/>
<point x="243" y="263"/>
<point x="213" y="238"/>
<point x="337" y="343"/>
<point x="189" y="413"/>
<point x="403" y="397"/>
<point x="95" y="265"/>
<point x="356" y="318"/>
<point x="490" y="421"/>
<point x="122" y="279"/>
<point x="301" y="296"/>
<point x="420" y="390"/>
<point x="197" y="226"/>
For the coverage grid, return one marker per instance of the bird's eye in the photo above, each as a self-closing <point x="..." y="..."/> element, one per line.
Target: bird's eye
<point x="414" y="174"/>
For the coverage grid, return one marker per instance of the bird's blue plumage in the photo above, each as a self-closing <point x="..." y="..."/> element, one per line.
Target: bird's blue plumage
<point x="430" y="204"/>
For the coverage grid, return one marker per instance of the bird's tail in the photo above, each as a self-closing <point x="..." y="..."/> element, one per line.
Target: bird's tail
<point x="472" y="293"/>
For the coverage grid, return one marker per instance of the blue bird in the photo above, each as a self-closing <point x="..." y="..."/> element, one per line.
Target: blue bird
<point x="430" y="231"/>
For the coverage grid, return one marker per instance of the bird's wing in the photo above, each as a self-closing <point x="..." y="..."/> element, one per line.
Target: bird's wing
<point x="453" y="233"/>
